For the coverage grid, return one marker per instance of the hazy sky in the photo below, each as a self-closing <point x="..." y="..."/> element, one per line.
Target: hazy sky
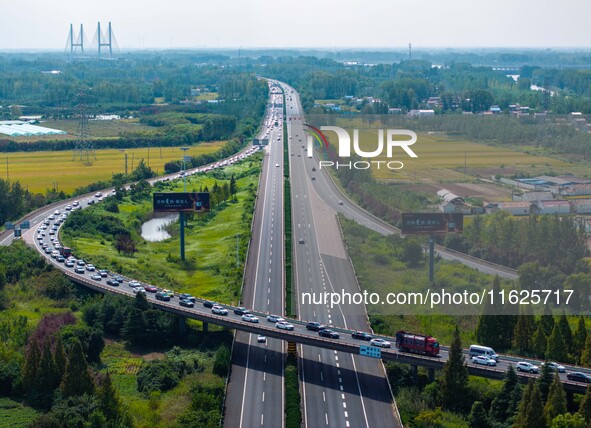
<point x="44" y="24"/>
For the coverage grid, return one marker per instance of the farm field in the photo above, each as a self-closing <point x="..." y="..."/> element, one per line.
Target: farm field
<point x="42" y="170"/>
<point x="442" y="159"/>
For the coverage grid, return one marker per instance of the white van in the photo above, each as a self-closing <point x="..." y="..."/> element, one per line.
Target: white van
<point x="483" y="350"/>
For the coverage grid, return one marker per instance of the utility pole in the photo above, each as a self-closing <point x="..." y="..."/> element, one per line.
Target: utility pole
<point x="182" y="214"/>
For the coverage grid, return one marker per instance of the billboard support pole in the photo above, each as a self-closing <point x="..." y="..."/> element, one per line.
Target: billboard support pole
<point x="182" y="220"/>
<point x="431" y="256"/>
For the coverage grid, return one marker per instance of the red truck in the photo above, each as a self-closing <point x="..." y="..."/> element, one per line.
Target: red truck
<point x="66" y="252"/>
<point x="410" y="342"/>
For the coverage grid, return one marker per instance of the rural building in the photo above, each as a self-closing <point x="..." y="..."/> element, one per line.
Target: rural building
<point x="17" y="128"/>
<point x="516" y="208"/>
<point x="449" y="197"/>
<point x="577" y="190"/>
<point x="421" y="113"/>
<point x="447" y="207"/>
<point x="581" y="206"/>
<point x="556" y="181"/>
<point x="553" y="207"/>
<point x="490" y="207"/>
<point x="533" y="197"/>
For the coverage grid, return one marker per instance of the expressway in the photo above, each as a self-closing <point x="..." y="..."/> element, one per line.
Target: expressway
<point x="255" y="395"/>
<point x="337" y="389"/>
<point x="344" y="347"/>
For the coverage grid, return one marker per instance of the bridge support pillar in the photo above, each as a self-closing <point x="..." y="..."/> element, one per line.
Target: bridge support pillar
<point x="205" y="327"/>
<point x="431" y="374"/>
<point x="182" y="326"/>
<point x="414" y="369"/>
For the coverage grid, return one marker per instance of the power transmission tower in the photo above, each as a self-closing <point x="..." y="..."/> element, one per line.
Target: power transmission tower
<point x="84" y="150"/>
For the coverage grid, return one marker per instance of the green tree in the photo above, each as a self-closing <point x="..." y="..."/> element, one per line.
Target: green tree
<point x="569" y="421"/>
<point x="556" y="403"/>
<point x="477" y="417"/>
<point x="134" y="329"/>
<point x="32" y="360"/>
<point x="412" y="252"/>
<point x="222" y="361"/>
<point x="524" y="330"/>
<point x="77" y="379"/>
<point x="233" y="187"/>
<point x="545" y="380"/>
<point x="455" y="375"/>
<point x="566" y="333"/>
<point x="580" y="338"/>
<point x="547" y="321"/>
<point x="502" y="407"/>
<point x="59" y="356"/>
<point x="586" y="354"/>
<point x="539" y="342"/>
<point x="556" y="348"/>
<point x="46" y="381"/>
<point x="108" y="398"/>
<point x="531" y="409"/>
<point x="585" y="406"/>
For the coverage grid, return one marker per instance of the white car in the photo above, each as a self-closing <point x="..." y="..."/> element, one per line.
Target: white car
<point x="275" y="318"/>
<point x="219" y="310"/>
<point x="250" y="318"/>
<point x="523" y="366"/>
<point x="380" y="343"/>
<point x="137" y="290"/>
<point x="284" y="325"/>
<point x="134" y="283"/>
<point x="484" y="360"/>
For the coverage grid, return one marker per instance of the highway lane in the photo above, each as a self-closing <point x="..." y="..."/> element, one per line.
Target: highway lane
<point x="339" y="389"/>
<point x="255" y="393"/>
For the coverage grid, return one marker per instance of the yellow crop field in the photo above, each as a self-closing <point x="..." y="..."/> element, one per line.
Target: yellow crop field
<point x="43" y="170"/>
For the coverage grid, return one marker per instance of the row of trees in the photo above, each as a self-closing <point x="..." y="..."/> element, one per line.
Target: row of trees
<point x="501" y="238"/>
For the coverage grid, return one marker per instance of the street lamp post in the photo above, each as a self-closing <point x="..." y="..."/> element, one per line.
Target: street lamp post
<point x="125" y="153"/>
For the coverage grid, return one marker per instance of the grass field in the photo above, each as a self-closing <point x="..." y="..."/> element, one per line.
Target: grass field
<point x="210" y="245"/>
<point x="15" y="415"/>
<point x="442" y="159"/>
<point x="39" y="170"/>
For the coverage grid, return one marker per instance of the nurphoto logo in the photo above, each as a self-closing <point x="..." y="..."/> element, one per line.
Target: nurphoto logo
<point x="344" y="147"/>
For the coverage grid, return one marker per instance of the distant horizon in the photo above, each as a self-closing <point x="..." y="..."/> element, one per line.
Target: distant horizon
<point x="332" y="24"/>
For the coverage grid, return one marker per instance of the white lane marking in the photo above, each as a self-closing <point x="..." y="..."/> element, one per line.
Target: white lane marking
<point x="336" y="358"/>
<point x="344" y="405"/>
<point x="326" y="418"/>
<point x="340" y="380"/>
<point x="262" y="418"/>
<point x="342" y="396"/>
<point x="319" y="359"/>
<point x="264" y="397"/>
<point x="321" y="377"/>
<point x="341" y="387"/>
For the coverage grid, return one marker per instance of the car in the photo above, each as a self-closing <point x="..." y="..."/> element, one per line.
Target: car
<point x="90" y="268"/>
<point x="48" y="250"/>
<point x="90" y="201"/>
<point x="51" y="217"/>
<point x="523" y="366"/>
<point x="241" y="311"/>
<point x="302" y="241"/>
<point x="325" y="332"/>
<point x="162" y="296"/>
<point x="555" y="366"/>
<point x="250" y="318"/>
<point x="112" y="282"/>
<point x="219" y="310"/>
<point x="57" y="212"/>
<point x="578" y="377"/>
<point x="186" y="303"/>
<point x="277" y="165"/>
<point x="484" y="360"/>
<point x="315" y="326"/>
<point x="96" y="277"/>
<point x="79" y="269"/>
<point x="60" y="259"/>
<point x="119" y="279"/>
<point x="361" y="335"/>
<point x="52" y="232"/>
<point x="98" y="195"/>
<point x="103" y="273"/>
<point x="261" y="339"/>
<point x="80" y="263"/>
<point x="54" y="254"/>
<point x="69" y="263"/>
<point x="134" y="283"/>
<point x="284" y="325"/>
<point x="150" y="289"/>
<point x="380" y="343"/>
<point x="313" y="178"/>
<point x="340" y="202"/>
<point x="169" y="292"/>
<point x="275" y="318"/>
<point x="208" y="303"/>
<point x="137" y="290"/>
<point x="68" y="207"/>
<point x="187" y="297"/>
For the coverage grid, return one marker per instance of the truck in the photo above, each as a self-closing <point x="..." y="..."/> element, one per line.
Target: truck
<point x="410" y="342"/>
<point x="66" y="252"/>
